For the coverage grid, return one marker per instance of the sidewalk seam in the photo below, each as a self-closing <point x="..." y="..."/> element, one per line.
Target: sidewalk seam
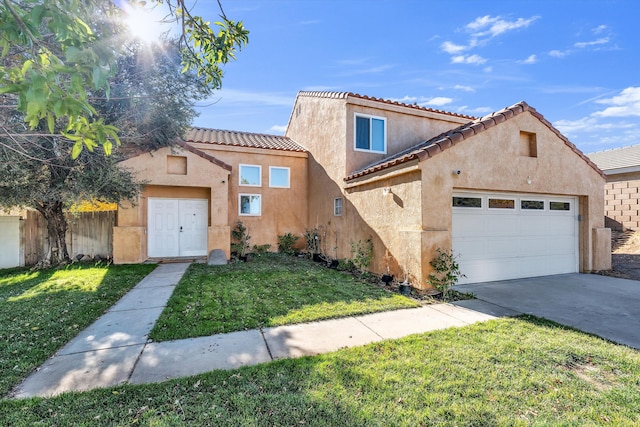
<point x="266" y="344"/>
<point x="357" y="318"/>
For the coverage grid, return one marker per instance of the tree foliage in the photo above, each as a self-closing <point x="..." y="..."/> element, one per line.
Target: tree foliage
<point x="55" y="55"/>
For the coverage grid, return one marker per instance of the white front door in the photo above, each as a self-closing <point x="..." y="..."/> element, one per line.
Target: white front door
<point x="177" y="227"/>
<point x="509" y="236"/>
<point x="9" y="241"/>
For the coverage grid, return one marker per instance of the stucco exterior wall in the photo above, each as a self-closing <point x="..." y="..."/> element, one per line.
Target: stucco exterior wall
<point x="201" y="179"/>
<point x="406" y="127"/>
<point x="325" y="127"/>
<point x="283" y="210"/>
<point x="622" y="202"/>
<point x="493" y="161"/>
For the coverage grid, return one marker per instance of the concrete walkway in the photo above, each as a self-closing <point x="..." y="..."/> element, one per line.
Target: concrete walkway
<point x="115" y="349"/>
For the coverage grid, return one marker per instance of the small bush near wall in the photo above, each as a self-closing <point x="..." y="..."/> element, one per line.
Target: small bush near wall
<point x="286" y="242"/>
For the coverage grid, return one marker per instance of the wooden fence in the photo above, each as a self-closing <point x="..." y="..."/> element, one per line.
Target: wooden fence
<point x="88" y="233"/>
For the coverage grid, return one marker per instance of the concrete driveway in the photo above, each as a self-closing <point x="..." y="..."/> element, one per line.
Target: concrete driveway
<point x="605" y="306"/>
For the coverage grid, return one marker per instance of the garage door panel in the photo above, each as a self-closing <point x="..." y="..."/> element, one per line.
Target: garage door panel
<point x="531" y="246"/>
<point x="467" y="225"/>
<point x="508" y="244"/>
<point x="500" y="225"/>
<point x="500" y="248"/>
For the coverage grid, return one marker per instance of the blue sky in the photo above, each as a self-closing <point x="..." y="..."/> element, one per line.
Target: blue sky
<point x="576" y="62"/>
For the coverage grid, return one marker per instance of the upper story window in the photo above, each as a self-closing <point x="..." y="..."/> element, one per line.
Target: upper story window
<point x="371" y="133"/>
<point x="337" y="206"/>
<point x="278" y="177"/>
<point x="251" y="175"/>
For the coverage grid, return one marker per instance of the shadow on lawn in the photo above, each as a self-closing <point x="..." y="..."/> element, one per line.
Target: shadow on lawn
<point x="40" y="311"/>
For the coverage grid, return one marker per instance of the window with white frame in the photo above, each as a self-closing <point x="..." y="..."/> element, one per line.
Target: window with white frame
<point x="278" y="177"/>
<point x="250" y="175"/>
<point x="337" y="206"/>
<point x="250" y="204"/>
<point x="370" y="133"/>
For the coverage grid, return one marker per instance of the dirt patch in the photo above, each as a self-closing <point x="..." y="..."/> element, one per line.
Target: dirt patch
<point x="595" y="376"/>
<point x="625" y="255"/>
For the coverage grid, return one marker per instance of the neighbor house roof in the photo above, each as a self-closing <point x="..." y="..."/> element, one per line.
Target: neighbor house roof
<point x="433" y="146"/>
<point x="345" y="95"/>
<point x="618" y="160"/>
<point x="242" y="139"/>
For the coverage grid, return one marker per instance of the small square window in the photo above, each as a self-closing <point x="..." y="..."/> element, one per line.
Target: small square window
<point x="251" y="175"/>
<point x="370" y="133"/>
<point x="560" y="206"/>
<point x="532" y="204"/>
<point x="502" y="204"/>
<point x="467" y="202"/>
<point x="278" y="177"/>
<point x="337" y="206"/>
<point x="250" y="204"/>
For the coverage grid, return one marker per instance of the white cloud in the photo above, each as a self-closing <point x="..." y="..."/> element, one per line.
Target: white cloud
<point x="236" y="97"/>
<point x="464" y="88"/>
<point x="532" y="59"/>
<point x="600" y="41"/>
<point x="438" y="101"/>
<point x="278" y="128"/>
<point x="487" y="26"/>
<point x="599" y="29"/>
<point x="559" y="53"/>
<point x="453" y="48"/>
<point x="626" y="104"/>
<point x="468" y="59"/>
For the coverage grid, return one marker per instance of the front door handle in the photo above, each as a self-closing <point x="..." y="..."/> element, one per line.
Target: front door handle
<point x="181" y="229"/>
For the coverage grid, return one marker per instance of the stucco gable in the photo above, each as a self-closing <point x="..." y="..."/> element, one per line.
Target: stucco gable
<point x="446" y="140"/>
<point x="155" y="167"/>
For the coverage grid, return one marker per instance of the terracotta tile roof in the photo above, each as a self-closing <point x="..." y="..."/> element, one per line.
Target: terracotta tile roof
<point x="242" y="139"/>
<point x="345" y="95"/>
<point x="617" y="158"/>
<point x="430" y="148"/>
<point x="204" y="155"/>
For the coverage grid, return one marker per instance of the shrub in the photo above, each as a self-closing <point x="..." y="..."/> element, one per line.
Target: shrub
<point x="286" y="242"/>
<point x="446" y="272"/>
<point x="313" y="241"/>
<point x="261" y="249"/>
<point x="241" y="235"/>
<point x="362" y="254"/>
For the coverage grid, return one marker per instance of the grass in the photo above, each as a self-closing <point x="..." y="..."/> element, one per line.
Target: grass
<point x="522" y="371"/>
<point x="269" y="290"/>
<point x="40" y="311"/>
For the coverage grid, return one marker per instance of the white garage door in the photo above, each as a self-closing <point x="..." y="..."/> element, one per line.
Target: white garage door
<point x="9" y="241"/>
<point x="500" y="237"/>
<point x="177" y="227"/>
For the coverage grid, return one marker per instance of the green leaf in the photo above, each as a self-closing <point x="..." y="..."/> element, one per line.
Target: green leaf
<point x="77" y="149"/>
<point x="51" y="123"/>
<point x="26" y="67"/>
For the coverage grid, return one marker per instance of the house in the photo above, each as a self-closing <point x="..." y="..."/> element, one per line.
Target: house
<point x="507" y="192"/>
<point x="622" y="190"/>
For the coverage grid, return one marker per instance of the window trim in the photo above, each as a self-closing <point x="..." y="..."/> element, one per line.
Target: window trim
<point x="355" y="133"/>
<point x="335" y="205"/>
<point x="240" y="166"/>
<point x="271" y="168"/>
<point x="249" y="195"/>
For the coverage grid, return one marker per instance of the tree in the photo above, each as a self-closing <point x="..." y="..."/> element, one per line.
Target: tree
<point x="150" y="103"/>
<point x="55" y="53"/>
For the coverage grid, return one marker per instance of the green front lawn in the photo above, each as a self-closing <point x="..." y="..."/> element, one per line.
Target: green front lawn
<point x="522" y="371"/>
<point x="40" y="311"/>
<point x="269" y="290"/>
